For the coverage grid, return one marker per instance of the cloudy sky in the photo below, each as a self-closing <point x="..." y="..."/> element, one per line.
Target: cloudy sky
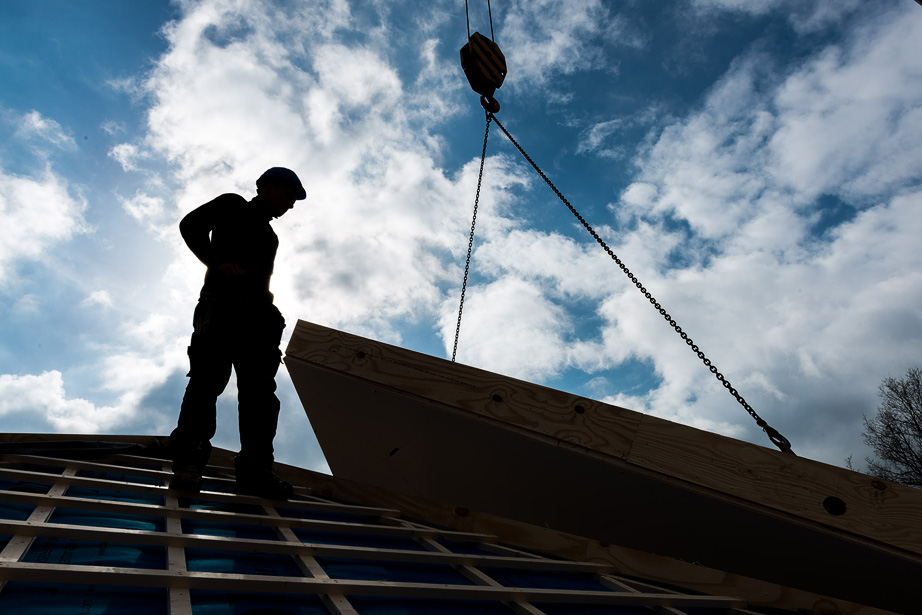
<point x="757" y="165"/>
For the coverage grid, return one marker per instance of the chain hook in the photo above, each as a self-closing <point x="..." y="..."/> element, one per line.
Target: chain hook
<point x="489" y="104"/>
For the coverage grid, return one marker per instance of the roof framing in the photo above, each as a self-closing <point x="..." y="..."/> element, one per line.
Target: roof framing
<point x="25" y="476"/>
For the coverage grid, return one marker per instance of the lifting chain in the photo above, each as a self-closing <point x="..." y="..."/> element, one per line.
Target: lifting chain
<point x="470" y="243"/>
<point x="777" y="439"/>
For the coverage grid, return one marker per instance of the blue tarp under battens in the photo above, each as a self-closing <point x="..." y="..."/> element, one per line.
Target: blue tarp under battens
<point x="224" y="603"/>
<point x="24" y="486"/>
<point x="403" y="606"/>
<point x="466" y="548"/>
<point x="237" y="562"/>
<point x="16" y="512"/>
<point x="321" y="515"/>
<point x="542" y="579"/>
<point x="228" y="530"/>
<point x="22" y="598"/>
<point x="231" y="507"/>
<point x="95" y="553"/>
<point x="113" y="496"/>
<point x="73" y="516"/>
<point x="123" y="478"/>
<point x="357" y="540"/>
<point x="403" y="572"/>
<point x="584" y="609"/>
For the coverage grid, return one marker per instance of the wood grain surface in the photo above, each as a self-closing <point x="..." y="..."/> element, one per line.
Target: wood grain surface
<point x="883" y="514"/>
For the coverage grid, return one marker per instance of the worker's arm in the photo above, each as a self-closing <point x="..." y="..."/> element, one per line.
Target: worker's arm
<point x="196" y="228"/>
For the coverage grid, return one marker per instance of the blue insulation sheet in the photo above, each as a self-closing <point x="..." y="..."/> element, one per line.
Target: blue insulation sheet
<point x="228" y="530"/>
<point x="367" y="570"/>
<point x="541" y="579"/>
<point x="24" y="486"/>
<point x="224" y="603"/>
<point x="45" y="599"/>
<point x="584" y="609"/>
<point x="357" y="540"/>
<point x="270" y="564"/>
<point x="73" y="516"/>
<point x="402" y="606"/>
<point x="123" y="478"/>
<point x="114" y="496"/>
<point x="50" y="550"/>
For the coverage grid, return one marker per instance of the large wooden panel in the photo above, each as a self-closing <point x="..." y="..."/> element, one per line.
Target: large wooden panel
<point x="481" y="441"/>
<point x="887" y="513"/>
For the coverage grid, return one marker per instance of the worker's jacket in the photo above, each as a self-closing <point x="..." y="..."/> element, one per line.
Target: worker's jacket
<point x="232" y="230"/>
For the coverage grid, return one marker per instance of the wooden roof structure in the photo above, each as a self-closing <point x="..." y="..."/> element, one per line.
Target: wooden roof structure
<point x="578" y="478"/>
<point x="87" y="529"/>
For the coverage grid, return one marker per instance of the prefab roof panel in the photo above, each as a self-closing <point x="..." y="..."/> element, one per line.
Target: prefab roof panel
<point x="435" y="429"/>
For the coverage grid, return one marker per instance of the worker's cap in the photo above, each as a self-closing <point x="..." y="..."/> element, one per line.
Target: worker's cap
<point x="281" y="175"/>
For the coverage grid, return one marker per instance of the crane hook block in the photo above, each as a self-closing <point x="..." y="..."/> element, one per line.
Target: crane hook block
<point x="485" y="67"/>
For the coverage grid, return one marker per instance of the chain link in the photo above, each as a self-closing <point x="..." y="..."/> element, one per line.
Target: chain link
<point x="470" y="243"/>
<point x="777" y="439"/>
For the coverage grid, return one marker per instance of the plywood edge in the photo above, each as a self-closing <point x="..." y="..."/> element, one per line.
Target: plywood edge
<point x="887" y="514"/>
<point x="543" y="410"/>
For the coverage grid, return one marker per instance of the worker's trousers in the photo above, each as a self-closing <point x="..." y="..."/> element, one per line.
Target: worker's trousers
<point x="244" y="336"/>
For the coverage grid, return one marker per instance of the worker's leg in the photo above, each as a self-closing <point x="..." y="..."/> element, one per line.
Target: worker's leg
<point x="256" y="362"/>
<point x="210" y="368"/>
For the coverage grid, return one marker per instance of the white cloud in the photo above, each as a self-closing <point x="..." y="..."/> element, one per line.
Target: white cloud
<point x="35" y="213"/>
<point x="113" y="128"/>
<point x="850" y="121"/>
<point x="26" y="304"/>
<point x="43" y="395"/>
<point x="545" y="38"/>
<point x="804" y="15"/>
<point x="145" y="208"/>
<point x="127" y="155"/>
<point x="379" y="236"/>
<point x="509" y="327"/>
<point x="804" y="325"/>
<point x="33" y="126"/>
<point x="101" y="298"/>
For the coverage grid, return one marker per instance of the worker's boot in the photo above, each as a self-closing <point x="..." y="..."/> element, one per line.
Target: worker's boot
<point x="259" y="480"/>
<point x="187" y="478"/>
<point x="188" y="463"/>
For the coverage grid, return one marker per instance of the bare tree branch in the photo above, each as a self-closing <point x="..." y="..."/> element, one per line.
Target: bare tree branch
<point x="895" y="433"/>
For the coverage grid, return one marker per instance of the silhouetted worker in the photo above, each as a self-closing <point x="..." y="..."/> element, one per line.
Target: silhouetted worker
<point x="235" y="325"/>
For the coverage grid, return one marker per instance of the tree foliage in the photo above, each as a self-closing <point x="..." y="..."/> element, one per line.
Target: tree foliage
<point x="895" y="433"/>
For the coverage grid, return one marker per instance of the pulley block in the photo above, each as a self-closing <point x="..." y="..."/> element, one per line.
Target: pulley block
<point x="485" y="67"/>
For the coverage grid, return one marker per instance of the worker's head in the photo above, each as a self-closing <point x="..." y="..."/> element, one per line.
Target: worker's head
<point x="280" y="188"/>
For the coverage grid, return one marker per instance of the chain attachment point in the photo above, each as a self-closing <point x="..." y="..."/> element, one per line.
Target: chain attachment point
<point x="489" y="104"/>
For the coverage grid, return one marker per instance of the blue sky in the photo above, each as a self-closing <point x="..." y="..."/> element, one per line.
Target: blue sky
<point x="758" y="166"/>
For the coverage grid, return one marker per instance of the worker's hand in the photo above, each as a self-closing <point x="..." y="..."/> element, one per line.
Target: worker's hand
<point x="230" y="270"/>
